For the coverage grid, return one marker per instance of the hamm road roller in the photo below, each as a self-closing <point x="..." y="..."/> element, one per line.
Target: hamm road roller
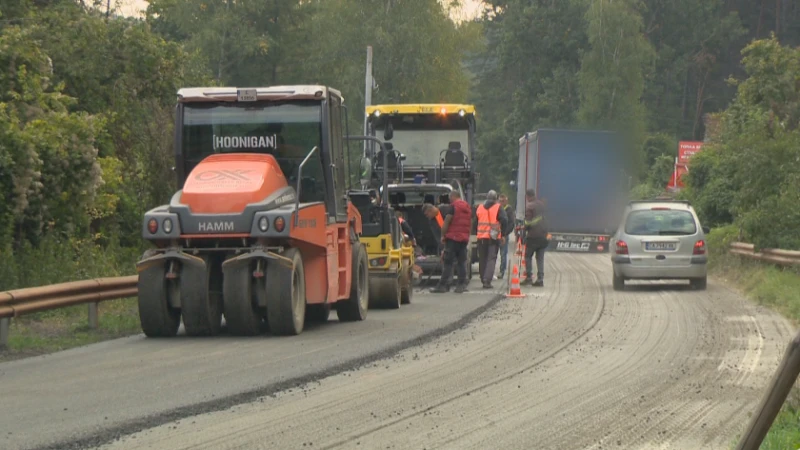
<point x="262" y="230"/>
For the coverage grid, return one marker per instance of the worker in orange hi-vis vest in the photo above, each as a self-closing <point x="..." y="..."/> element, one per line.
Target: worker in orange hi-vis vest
<point x="491" y="221"/>
<point x="436" y="216"/>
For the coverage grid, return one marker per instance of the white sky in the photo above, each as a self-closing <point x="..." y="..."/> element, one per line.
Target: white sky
<point x="132" y="7"/>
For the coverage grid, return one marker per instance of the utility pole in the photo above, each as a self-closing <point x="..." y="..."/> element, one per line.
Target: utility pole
<point x="369" y="83"/>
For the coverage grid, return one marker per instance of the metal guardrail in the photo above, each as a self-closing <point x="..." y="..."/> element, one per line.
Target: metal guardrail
<point x="767" y="255"/>
<point x="42" y="298"/>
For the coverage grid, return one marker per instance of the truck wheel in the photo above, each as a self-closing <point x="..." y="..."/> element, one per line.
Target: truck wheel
<point x="619" y="283"/>
<point x="286" y="301"/>
<point x="201" y="298"/>
<point x="242" y="314"/>
<point x="355" y="308"/>
<point x="407" y="293"/>
<point x="318" y="313"/>
<point x="157" y="317"/>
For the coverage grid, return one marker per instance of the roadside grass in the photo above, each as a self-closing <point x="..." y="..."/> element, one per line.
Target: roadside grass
<point x="57" y="260"/>
<point x="774" y="287"/>
<point x="62" y="329"/>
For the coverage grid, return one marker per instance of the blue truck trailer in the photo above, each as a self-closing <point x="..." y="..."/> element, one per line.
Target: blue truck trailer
<point x="581" y="177"/>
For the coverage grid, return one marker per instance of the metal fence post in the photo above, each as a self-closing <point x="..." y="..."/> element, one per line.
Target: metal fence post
<point x="93" y="316"/>
<point x="5" y="326"/>
<point x="774" y="397"/>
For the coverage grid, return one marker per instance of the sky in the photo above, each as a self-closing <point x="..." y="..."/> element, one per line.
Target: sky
<point x="132" y="7"/>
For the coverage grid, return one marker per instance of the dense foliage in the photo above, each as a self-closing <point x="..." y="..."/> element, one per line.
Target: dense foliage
<point x="654" y="70"/>
<point x="86" y="98"/>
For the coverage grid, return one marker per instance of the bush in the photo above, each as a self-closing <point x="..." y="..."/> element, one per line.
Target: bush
<point x="57" y="260"/>
<point x="719" y="239"/>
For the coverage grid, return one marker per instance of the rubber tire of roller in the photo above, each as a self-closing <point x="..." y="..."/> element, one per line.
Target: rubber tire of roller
<point x="201" y="307"/>
<point x="156" y="316"/>
<point x="355" y="307"/>
<point x="243" y="316"/>
<point x="318" y="313"/>
<point x="286" y="299"/>
<point x="407" y="294"/>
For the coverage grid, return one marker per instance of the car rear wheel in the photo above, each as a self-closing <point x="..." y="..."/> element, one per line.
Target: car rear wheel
<point x="619" y="283"/>
<point x="699" y="284"/>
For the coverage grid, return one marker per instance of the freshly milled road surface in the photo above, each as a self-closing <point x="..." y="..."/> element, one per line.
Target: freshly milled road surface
<point x="574" y="365"/>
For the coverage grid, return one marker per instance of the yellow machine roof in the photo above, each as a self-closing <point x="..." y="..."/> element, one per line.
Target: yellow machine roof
<point x="421" y="108"/>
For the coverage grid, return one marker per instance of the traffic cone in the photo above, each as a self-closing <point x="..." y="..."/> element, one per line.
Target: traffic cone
<point x="514" y="290"/>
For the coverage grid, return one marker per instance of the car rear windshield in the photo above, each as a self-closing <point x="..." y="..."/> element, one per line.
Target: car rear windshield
<point x="658" y="222"/>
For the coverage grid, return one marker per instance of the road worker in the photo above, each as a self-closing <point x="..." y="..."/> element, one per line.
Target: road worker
<point x="406" y="228"/>
<point x="455" y="238"/>
<point x="491" y="222"/>
<point x="535" y="231"/>
<point x="511" y="218"/>
<point x="435" y="214"/>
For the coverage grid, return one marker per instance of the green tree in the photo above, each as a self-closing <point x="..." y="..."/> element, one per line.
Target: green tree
<point x="613" y="71"/>
<point x="749" y="173"/>
<point x="527" y="76"/>
<point x="48" y="167"/>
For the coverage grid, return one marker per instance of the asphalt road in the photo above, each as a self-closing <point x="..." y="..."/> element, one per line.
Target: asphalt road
<point x="573" y="365"/>
<point x="92" y="394"/>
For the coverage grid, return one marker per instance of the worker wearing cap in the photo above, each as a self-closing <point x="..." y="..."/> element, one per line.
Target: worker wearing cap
<point x="491" y="222"/>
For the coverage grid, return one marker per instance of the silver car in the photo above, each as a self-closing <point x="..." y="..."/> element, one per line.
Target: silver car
<point x="660" y="240"/>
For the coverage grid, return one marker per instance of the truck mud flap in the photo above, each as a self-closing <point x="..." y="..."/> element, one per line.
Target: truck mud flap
<point x="247" y="258"/>
<point x="160" y="259"/>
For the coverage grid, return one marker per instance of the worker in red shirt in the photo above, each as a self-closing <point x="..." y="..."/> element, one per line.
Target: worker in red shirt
<point x="455" y="237"/>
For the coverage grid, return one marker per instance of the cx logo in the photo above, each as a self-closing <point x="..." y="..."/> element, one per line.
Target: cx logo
<point x="219" y="175"/>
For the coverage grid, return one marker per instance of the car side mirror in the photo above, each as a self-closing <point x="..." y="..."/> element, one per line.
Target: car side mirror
<point x="706" y="230"/>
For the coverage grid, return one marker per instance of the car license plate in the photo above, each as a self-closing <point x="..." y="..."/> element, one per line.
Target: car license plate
<point x="247" y="95"/>
<point x="660" y="246"/>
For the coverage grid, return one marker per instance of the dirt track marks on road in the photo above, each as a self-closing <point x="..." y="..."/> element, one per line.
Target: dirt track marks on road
<point x="574" y="365"/>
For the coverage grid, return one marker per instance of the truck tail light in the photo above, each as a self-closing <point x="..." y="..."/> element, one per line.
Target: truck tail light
<point x="622" y="248"/>
<point x="700" y="247"/>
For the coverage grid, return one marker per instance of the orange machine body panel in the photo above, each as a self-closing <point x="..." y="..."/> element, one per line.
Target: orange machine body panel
<point x="227" y="183"/>
<point x="328" y="267"/>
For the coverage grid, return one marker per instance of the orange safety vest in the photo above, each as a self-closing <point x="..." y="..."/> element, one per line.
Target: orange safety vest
<point x="439" y="219"/>
<point x="487" y="221"/>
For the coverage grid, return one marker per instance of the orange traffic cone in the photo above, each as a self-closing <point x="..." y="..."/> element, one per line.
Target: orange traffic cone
<point x="514" y="290"/>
